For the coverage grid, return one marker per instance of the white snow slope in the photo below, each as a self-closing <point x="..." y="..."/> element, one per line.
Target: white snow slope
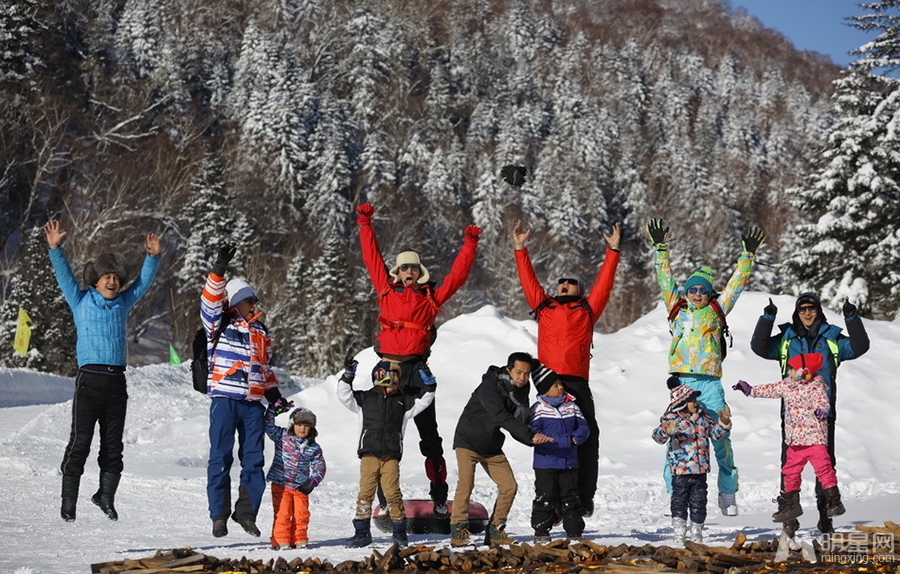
<point x="162" y="496"/>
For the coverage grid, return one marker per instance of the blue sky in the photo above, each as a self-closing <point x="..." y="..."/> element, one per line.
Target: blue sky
<point x="816" y="25"/>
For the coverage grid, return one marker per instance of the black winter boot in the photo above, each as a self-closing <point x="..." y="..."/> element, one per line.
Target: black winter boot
<point x="363" y="536"/>
<point x="399" y="533"/>
<point x="69" y="497"/>
<point x="788" y="506"/>
<point x="106" y="495"/>
<point x="833" y="505"/>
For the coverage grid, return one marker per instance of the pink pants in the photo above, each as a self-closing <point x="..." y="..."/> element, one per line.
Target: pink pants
<point x="797" y="457"/>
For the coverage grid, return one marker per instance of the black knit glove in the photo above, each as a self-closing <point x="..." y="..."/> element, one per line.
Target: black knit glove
<point x="770" y="309"/>
<point x="223" y="257"/>
<point x="753" y="239"/>
<point x="849" y="310"/>
<point x="514" y="174"/>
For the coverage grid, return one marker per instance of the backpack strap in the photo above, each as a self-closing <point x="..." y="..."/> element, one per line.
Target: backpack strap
<point x="218" y="335"/>
<point x="547" y="301"/>
<point x="714" y="304"/>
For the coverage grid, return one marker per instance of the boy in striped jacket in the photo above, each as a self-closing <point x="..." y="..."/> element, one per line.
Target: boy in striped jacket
<point x="298" y="467"/>
<point x="556" y="415"/>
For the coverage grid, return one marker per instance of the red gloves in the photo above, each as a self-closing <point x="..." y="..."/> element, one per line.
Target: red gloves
<point x="473" y="232"/>
<point x="364" y="214"/>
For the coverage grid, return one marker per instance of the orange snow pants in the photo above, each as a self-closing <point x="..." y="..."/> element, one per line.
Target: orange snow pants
<point x="291" y="516"/>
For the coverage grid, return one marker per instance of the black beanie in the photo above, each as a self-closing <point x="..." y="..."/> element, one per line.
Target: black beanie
<point x="543" y="377"/>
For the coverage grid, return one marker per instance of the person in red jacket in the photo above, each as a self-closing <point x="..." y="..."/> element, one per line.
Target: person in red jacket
<point x="565" y="333"/>
<point x="408" y="302"/>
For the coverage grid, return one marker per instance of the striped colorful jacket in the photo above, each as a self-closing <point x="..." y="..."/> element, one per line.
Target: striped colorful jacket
<point x="696" y="347"/>
<point x="689" y="447"/>
<point x="297" y="461"/>
<point x="240" y="367"/>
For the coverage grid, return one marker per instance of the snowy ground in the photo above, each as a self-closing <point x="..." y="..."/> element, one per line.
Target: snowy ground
<point x="162" y="497"/>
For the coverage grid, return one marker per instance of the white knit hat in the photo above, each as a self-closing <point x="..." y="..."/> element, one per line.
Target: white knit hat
<point x="236" y="290"/>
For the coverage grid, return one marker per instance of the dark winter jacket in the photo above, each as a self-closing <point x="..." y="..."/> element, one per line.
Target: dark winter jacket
<point x="100" y="322"/>
<point x="769" y="346"/>
<point x="382" y="417"/>
<point x="497" y="403"/>
<point x="566" y="324"/>
<point x="565" y="425"/>
<point x="407" y="314"/>
<point x="298" y="463"/>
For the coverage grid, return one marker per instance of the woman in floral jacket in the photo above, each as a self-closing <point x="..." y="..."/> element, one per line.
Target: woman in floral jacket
<point x="806" y="409"/>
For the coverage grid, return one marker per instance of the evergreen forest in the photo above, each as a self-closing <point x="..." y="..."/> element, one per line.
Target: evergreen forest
<point x="264" y="123"/>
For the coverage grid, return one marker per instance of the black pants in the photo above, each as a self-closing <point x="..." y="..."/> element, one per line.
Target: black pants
<point x="589" y="451"/>
<point x="99" y="398"/>
<point x="689" y="493"/>
<point x="557" y="488"/>
<point x="829" y="444"/>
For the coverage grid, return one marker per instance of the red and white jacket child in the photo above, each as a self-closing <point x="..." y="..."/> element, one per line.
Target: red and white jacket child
<point x="806" y="410"/>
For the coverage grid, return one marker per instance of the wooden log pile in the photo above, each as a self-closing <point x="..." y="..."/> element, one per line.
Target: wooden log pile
<point x="556" y="557"/>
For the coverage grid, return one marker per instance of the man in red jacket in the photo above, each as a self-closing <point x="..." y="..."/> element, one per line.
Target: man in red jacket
<point x="408" y="302"/>
<point x="565" y="334"/>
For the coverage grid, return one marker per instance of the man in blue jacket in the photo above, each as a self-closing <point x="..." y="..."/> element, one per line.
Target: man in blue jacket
<point x="810" y="332"/>
<point x="101" y="396"/>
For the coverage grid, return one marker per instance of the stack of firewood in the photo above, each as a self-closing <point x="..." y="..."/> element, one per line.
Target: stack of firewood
<point x="741" y="557"/>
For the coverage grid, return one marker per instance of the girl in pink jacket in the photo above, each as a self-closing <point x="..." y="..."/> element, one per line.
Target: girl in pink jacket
<point x="806" y="408"/>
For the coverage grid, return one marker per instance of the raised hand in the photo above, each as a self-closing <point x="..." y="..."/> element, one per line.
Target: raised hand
<point x="54" y="233"/>
<point x="224" y="254"/>
<point x="725" y="416"/>
<point x="753" y="239"/>
<point x="849" y="309"/>
<point x="282" y="405"/>
<point x="152" y="244"/>
<point x="770" y="309"/>
<point x="364" y="213"/>
<point x="657" y="232"/>
<point x="472" y="233"/>
<point x="616" y="237"/>
<point x="520" y="235"/>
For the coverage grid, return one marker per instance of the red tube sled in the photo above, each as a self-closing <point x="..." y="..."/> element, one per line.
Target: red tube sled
<point x="420" y="518"/>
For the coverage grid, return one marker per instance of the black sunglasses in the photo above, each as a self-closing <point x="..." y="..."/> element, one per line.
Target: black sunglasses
<point x="806" y="308"/>
<point x="410" y="267"/>
<point x="568" y="280"/>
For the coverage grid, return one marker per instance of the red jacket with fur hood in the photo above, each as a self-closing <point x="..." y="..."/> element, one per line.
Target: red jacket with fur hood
<point x="408" y="314"/>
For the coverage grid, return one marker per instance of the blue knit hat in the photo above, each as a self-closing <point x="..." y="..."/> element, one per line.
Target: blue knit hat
<point x="702" y="277"/>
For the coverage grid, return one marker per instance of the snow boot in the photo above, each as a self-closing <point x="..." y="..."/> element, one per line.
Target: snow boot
<point x="69" y="497"/>
<point x="247" y="522"/>
<point x="788" y="506"/>
<point x="697" y="532"/>
<point x="459" y="534"/>
<point x="679" y="530"/>
<point x="398" y="530"/>
<point x="363" y="536"/>
<point x="106" y="495"/>
<point x="496" y="535"/>
<point x="436" y="471"/>
<point x="220" y="527"/>
<point x="833" y="505"/>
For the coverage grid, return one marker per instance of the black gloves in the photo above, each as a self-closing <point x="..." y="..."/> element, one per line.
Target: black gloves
<point x="770" y="309"/>
<point x="849" y="309"/>
<point x="305" y="488"/>
<point x="514" y="174"/>
<point x="753" y="239"/>
<point x="656" y="231"/>
<point x="350" y="365"/>
<point x="272" y="395"/>
<point x="223" y="257"/>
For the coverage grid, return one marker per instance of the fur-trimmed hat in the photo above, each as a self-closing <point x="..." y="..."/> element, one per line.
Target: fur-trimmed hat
<point x="410" y="257"/>
<point x="702" y="277"/>
<point x="236" y="290"/>
<point x="543" y="377"/>
<point x="303" y="416"/>
<point x="104" y="264"/>
<point x="679" y="395"/>
<point x="806" y="365"/>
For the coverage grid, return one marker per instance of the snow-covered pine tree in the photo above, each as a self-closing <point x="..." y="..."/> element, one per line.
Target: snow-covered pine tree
<point x="850" y="246"/>
<point x="34" y="288"/>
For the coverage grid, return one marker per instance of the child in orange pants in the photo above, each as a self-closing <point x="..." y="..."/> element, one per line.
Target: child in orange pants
<point x="297" y="469"/>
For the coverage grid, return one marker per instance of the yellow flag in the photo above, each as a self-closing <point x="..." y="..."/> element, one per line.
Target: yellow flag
<point x="23" y="333"/>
